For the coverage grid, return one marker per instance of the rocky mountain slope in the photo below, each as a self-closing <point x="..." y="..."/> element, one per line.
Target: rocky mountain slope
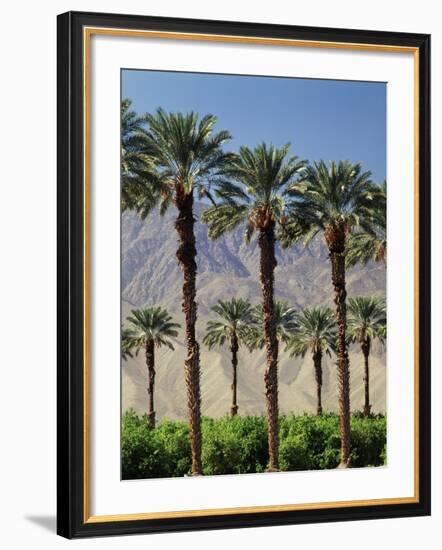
<point x="228" y="267"/>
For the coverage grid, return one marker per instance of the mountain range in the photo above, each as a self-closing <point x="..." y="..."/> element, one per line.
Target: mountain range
<point x="229" y="267"/>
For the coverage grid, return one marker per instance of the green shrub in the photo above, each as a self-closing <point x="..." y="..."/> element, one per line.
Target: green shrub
<point x="367" y="437"/>
<point x="239" y="445"/>
<point x="309" y="442"/>
<point x="159" y="452"/>
<point x="141" y="456"/>
<point x="234" y="445"/>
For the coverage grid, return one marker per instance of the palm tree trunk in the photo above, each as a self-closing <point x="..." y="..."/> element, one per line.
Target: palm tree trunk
<point x="234" y="349"/>
<point x="317" y="361"/>
<point x="365" y="346"/>
<point x="186" y="254"/>
<point x="150" y="362"/>
<point x="335" y="237"/>
<point x="266" y="241"/>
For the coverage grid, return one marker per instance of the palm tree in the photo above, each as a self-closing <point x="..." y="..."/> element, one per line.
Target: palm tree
<point x="254" y="195"/>
<point x="315" y="333"/>
<point x="149" y="329"/>
<point x="363" y="246"/>
<point x="366" y="321"/>
<point x="234" y="318"/>
<point x="285" y="323"/>
<point x="184" y="155"/>
<point x="333" y="200"/>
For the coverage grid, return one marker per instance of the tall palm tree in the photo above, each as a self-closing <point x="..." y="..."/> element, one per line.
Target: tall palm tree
<point x="333" y="200"/>
<point x="234" y="319"/>
<point x="149" y="328"/>
<point x="133" y="159"/>
<point x="315" y="333"/>
<point x="366" y="321"/>
<point x="285" y="323"/>
<point x="185" y="156"/>
<point x="254" y="195"/>
<point x="364" y="246"/>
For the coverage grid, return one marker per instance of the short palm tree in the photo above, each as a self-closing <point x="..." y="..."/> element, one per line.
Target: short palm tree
<point x="184" y="156"/>
<point x="253" y="195"/>
<point x="285" y="323"/>
<point x="364" y="246"/>
<point x="232" y="325"/>
<point x="148" y="329"/>
<point x="366" y="322"/>
<point x="316" y="334"/>
<point x="333" y="200"/>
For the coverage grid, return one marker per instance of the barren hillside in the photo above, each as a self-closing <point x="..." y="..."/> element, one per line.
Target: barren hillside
<point x="226" y="268"/>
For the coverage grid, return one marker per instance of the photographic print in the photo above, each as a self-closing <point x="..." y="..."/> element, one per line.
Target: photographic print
<point x="253" y="274"/>
<point x="243" y="274"/>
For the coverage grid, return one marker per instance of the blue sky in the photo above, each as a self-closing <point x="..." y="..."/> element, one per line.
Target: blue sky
<point x="322" y="119"/>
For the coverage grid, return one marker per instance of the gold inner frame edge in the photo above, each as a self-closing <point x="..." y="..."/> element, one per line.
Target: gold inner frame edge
<point x="134" y="33"/>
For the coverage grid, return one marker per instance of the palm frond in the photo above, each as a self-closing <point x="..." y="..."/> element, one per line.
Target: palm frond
<point x="367" y="318"/>
<point x="253" y="190"/>
<point x="152" y="324"/>
<point x="224" y="218"/>
<point x="330" y="195"/>
<point x="369" y="243"/>
<point x="315" y="332"/>
<point x="168" y="154"/>
<point x="285" y="323"/>
<point x="234" y="317"/>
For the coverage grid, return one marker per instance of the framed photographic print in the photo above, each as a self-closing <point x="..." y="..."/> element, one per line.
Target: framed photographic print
<point x="235" y="346"/>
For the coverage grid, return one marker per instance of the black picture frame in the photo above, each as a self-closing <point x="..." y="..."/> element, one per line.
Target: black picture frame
<point x="70" y="292"/>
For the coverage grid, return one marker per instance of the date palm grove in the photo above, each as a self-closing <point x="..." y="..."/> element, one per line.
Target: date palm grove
<point x="171" y="159"/>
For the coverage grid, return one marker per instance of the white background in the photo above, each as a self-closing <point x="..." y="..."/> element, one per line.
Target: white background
<point x="27" y="387"/>
<point x="109" y="495"/>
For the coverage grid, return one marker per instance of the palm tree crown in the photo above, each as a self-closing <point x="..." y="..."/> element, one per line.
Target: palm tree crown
<point x="134" y="162"/>
<point x="187" y="155"/>
<point x="149" y="325"/>
<point x="131" y="126"/>
<point x="261" y="178"/>
<point x="315" y="332"/>
<point x="366" y="319"/>
<point x="285" y="319"/>
<point x="364" y="246"/>
<point x="235" y="316"/>
<point x="329" y="198"/>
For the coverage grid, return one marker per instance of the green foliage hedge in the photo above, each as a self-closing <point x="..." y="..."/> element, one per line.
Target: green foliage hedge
<point x="239" y="445"/>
